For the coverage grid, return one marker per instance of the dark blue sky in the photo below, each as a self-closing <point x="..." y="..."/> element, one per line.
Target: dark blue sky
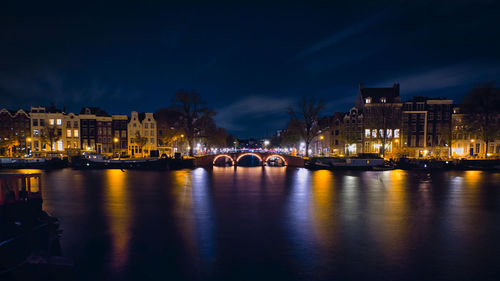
<point x="248" y="61"/>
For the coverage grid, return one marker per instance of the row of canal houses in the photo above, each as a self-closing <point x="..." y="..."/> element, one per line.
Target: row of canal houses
<point x="380" y="122"/>
<point x="45" y="130"/>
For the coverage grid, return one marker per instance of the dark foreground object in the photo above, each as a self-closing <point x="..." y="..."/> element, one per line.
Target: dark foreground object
<point x="29" y="237"/>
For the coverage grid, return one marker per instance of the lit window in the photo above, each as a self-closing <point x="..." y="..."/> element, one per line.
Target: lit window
<point x="367" y="133"/>
<point x="389" y="133"/>
<point x="51" y="121"/>
<point x="396" y="133"/>
<point x="76" y="133"/>
<point x="374" y="133"/>
<point x="59" y="122"/>
<point x="68" y="133"/>
<point x="60" y="145"/>
<point x="368" y="100"/>
<point x="381" y="133"/>
<point x="36" y="133"/>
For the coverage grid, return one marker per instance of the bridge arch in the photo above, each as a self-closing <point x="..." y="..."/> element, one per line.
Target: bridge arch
<point x="223" y="156"/>
<point x="249" y="153"/>
<point x="276" y="155"/>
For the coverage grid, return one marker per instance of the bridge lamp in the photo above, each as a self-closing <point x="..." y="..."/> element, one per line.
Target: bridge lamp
<point x="321" y="137"/>
<point x="266" y="143"/>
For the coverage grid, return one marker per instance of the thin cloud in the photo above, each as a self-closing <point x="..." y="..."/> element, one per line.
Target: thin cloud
<point x="338" y="37"/>
<point x="251" y="107"/>
<point x="445" y="77"/>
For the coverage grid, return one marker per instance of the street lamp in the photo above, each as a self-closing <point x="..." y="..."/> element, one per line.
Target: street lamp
<point x="28" y="140"/>
<point x="115" y="140"/>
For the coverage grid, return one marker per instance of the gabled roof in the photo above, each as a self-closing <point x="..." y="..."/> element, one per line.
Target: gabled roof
<point x="391" y="94"/>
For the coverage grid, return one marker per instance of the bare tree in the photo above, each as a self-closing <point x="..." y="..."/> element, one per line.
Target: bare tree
<point x="167" y="122"/>
<point x="50" y="135"/>
<point x="350" y="137"/>
<point x="382" y="117"/>
<point x="305" y="120"/>
<point x="482" y="112"/>
<point x="140" y="141"/>
<point x="194" y="115"/>
<point x="6" y="143"/>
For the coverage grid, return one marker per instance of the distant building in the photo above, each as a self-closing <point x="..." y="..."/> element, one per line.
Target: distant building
<point x="352" y="132"/>
<point x="53" y="130"/>
<point x="119" y="125"/>
<point x="426" y="127"/>
<point x="71" y="135"/>
<point x="467" y="142"/>
<point x="381" y="109"/>
<point x="15" y="132"/>
<point x="142" y="137"/>
<point x="96" y="134"/>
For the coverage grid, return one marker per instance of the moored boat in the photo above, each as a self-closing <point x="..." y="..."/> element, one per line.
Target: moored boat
<point x="27" y="233"/>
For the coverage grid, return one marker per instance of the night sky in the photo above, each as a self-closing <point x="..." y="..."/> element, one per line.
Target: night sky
<point x="248" y="61"/>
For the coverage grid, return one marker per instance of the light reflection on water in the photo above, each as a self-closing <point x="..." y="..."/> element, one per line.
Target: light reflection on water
<point x="117" y="208"/>
<point x="282" y="223"/>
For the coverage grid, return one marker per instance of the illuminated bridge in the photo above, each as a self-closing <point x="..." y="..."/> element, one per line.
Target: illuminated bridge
<point x="265" y="158"/>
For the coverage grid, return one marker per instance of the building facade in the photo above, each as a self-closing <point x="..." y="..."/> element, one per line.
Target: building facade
<point x="467" y="143"/>
<point x="381" y="109"/>
<point x="120" y="136"/>
<point x="352" y="132"/>
<point x="142" y="135"/>
<point x="15" y="133"/>
<point x="71" y="135"/>
<point x="54" y="131"/>
<point x="426" y="127"/>
<point x="96" y="133"/>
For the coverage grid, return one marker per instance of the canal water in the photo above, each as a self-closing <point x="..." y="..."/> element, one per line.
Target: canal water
<point x="277" y="223"/>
